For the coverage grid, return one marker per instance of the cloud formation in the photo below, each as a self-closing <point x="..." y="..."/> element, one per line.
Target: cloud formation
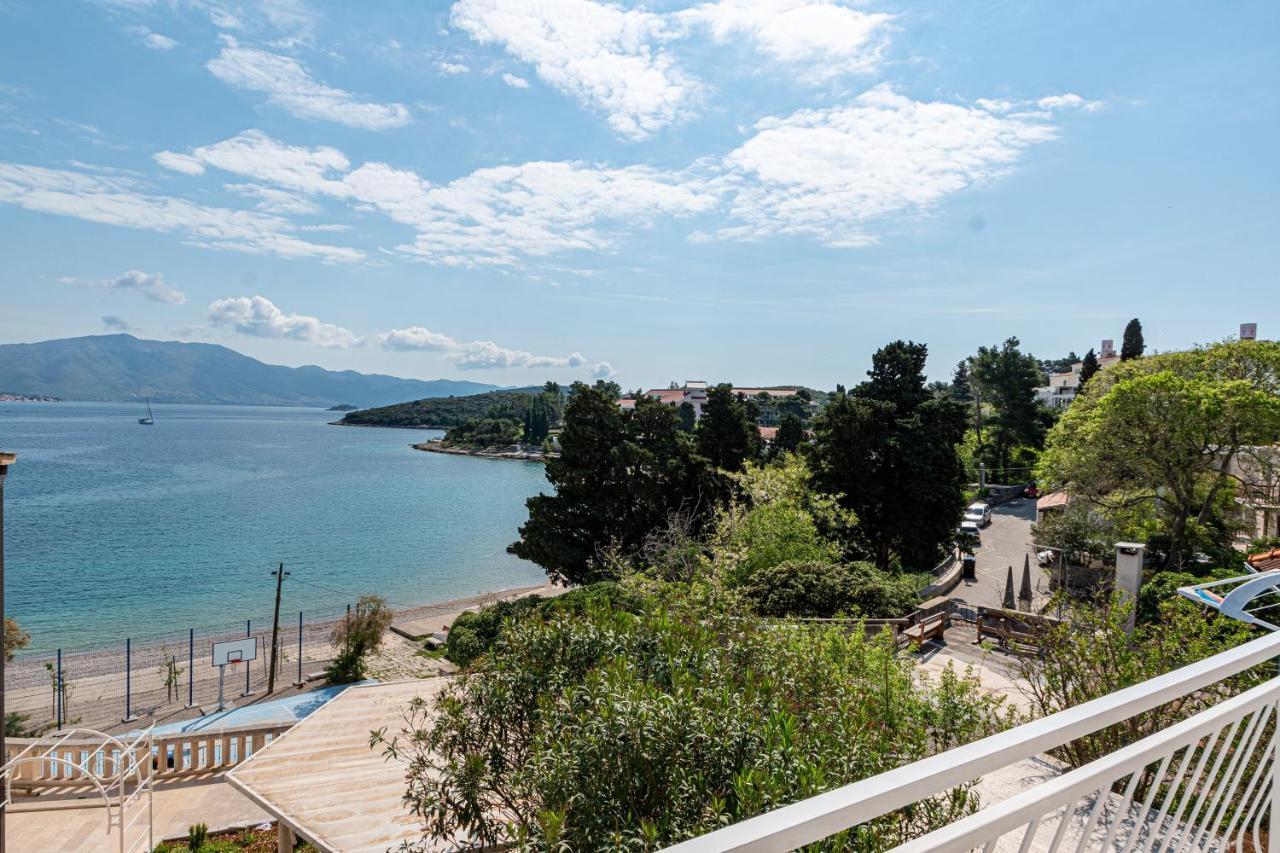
<point x="118" y="201"/>
<point x="480" y="355"/>
<point x="288" y="85"/>
<point x="608" y="58"/>
<point x="151" y="285"/>
<point x="830" y="174"/>
<point x="112" y="323"/>
<point x="259" y="317"/>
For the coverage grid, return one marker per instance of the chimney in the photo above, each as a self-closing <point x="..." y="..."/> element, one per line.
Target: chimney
<point x="1108" y="348"/>
<point x="1248" y="331"/>
<point x="1129" y="558"/>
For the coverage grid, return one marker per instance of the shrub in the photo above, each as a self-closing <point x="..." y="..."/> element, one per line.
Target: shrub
<point x="614" y="730"/>
<point x="805" y="588"/>
<point x="196" y="836"/>
<point x="356" y="636"/>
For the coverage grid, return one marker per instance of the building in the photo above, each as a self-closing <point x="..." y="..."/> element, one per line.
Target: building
<point x="694" y="392"/>
<point x="1256" y="471"/>
<point x="1062" y="387"/>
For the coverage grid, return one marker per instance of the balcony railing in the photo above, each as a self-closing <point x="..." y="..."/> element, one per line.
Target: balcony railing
<point x="1206" y="783"/>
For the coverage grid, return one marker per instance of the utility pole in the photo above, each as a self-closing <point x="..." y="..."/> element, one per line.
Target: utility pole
<point x="6" y="459"/>
<point x="280" y="574"/>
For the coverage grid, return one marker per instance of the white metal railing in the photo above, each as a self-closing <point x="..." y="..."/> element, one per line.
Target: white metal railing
<point x="119" y="770"/>
<point x="1187" y="787"/>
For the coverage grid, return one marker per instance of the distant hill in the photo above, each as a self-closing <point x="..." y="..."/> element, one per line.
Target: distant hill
<point x="122" y="367"/>
<point x="444" y="413"/>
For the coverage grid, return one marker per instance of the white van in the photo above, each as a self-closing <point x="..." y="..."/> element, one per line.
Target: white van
<point x="979" y="514"/>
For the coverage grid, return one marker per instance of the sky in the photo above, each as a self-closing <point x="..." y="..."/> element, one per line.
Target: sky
<point x="754" y="191"/>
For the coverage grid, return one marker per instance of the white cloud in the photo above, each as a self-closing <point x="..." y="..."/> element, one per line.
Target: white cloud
<point x="288" y="85"/>
<point x="608" y="58"/>
<point x="1070" y="100"/>
<point x="602" y="370"/>
<point x="415" y="338"/>
<point x="113" y="323"/>
<point x="453" y="68"/>
<point x="477" y="355"/>
<point x="253" y="154"/>
<point x="830" y="173"/>
<point x="150" y="285"/>
<point x="261" y="318"/>
<point x="515" y="82"/>
<point x="117" y="201"/>
<point x="275" y="200"/>
<point x="153" y="40"/>
<point x="828" y="37"/>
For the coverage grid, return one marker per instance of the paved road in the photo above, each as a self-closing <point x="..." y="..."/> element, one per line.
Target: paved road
<point x="1005" y="542"/>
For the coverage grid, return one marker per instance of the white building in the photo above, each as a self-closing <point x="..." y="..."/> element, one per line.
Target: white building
<point x="1062" y="387"/>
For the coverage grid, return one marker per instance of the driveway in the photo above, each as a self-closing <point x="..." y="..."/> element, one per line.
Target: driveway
<point x="1005" y="542"/>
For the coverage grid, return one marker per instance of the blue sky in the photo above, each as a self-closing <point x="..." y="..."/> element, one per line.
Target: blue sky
<point x="759" y="191"/>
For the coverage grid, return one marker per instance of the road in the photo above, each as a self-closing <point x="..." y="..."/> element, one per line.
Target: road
<point x="1005" y="542"/>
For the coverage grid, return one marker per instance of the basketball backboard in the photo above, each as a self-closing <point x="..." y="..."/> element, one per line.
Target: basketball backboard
<point x="235" y="651"/>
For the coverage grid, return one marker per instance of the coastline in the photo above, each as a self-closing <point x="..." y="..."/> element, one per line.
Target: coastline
<point x="388" y="426"/>
<point x="482" y="453"/>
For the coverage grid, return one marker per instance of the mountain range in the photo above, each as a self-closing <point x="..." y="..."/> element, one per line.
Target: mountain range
<point x="123" y="368"/>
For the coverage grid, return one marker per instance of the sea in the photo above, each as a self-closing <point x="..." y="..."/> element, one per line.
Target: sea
<point x="114" y="529"/>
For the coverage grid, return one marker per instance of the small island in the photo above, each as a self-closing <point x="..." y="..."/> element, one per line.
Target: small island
<point x="28" y="398"/>
<point x="343" y="407"/>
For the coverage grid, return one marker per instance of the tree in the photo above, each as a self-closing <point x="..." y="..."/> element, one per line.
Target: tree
<point x="619" y="476"/>
<point x="790" y="434"/>
<point x="1162" y="436"/>
<point x="620" y="731"/>
<point x="15" y="639"/>
<point x="960" y="389"/>
<point x="356" y="636"/>
<point x="822" y="590"/>
<point x="1008" y="379"/>
<point x="727" y="433"/>
<point x="1132" y="346"/>
<point x="1088" y="369"/>
<point x="888" y="453"/>
<point x="688" y="416"/>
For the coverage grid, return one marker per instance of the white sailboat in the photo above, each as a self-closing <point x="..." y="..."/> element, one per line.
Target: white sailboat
<point x="148" y="420"/>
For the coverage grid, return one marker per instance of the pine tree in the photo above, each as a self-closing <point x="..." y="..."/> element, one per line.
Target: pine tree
<point x="1132" y="346"/>
<point x="789" y="436"/>
<point x="960" y="389"/>
<point x="727" y="432"/>
<point x="1088" y="369"/>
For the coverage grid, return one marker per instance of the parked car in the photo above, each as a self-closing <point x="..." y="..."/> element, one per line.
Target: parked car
<point x="979" y="513"/>
<point x="969" y="528"/>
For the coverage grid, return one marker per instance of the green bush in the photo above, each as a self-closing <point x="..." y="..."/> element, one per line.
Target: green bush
<point x="613" y="730"/>
<point x="814" y="589"/>
<point x="473" y="632"/>
<point x="356" y="636"/>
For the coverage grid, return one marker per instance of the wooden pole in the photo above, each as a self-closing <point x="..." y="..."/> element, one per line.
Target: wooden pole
<point x="275" y="631"/>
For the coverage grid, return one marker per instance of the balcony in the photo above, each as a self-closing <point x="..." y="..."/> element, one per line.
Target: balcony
<point x="1206" y="783"/>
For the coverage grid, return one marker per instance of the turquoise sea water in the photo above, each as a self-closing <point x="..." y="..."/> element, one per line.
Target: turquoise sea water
<point x="115" y="529"/>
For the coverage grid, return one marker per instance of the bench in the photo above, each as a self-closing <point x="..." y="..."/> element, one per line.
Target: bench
<point x="928" y="628"/>
<point x="1005" y="631"/>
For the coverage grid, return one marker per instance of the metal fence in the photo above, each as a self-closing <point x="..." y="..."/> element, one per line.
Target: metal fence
<point x="162" y="676"/>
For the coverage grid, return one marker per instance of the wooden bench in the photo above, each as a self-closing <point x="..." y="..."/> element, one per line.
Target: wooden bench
<point x="927" y="629"/>
<point x="1005" y="630"/>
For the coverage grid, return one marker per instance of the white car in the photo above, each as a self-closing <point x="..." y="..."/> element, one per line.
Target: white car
<point x="979" y="514"/>
<point x="969" y="527"/>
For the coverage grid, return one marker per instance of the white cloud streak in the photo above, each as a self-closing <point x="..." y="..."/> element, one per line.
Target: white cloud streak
<point x="118" y="201"/>
<point x="150" y="285"/>
<point x="479" y="355"/>
<point x="288" y="85"/>
<point x="515" y="82"/>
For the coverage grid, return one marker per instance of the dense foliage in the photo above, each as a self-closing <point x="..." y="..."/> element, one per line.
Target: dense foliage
<point x="823" y="590"/>
<point x="485" y="432"/>
<point x="1007" y="379"/>
<point x="473" y="632"/>
<point x="887" y="451"/>
<point x="1153" y="442"/>
<point x="615" y="730"/>
<point x="446" y="412"/>
<point x="727" y="434"/>
<point x="619" y="476"/>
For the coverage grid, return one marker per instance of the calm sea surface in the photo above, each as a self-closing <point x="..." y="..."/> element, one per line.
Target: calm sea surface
<point x="115" y="529"/>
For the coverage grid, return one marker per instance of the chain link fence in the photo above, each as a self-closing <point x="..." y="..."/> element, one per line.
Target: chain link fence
<point x="161" y="676"/>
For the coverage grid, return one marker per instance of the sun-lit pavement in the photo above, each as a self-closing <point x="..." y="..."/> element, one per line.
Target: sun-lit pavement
<point x="1005" y="542"/>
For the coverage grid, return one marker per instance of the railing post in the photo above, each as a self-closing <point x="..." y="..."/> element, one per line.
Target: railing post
<point x="1273" y="822"/>
<point x="128" y="681"/>
<point x="191" y="667"/>
<point x="299" y="682"/>
<point x="57" y="692"/>
<point x="248" y="665"/>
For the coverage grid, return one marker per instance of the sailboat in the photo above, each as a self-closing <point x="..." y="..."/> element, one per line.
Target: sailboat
<point x="148" y="420"/>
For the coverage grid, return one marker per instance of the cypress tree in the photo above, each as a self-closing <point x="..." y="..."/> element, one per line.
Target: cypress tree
<point x="1088" y="369"/>
<point x="1133" y="345"/>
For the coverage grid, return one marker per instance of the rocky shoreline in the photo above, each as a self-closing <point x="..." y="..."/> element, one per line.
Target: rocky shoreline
<point x="512" y="452"/>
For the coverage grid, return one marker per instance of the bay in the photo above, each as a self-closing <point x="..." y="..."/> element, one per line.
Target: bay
<point x="115" y="529"/>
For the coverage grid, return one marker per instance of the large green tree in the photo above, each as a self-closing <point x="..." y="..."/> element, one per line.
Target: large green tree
<point x="1089" y="368"/>
<point x="727" y="433"/>
<point x="1008" y="378"/>
<point x="888" y="451"/>
<point x="790" y="434"/>
<point x="1133" y="345"/>
<point x="1163" y="434"/>
<point x="619" y="476"/>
